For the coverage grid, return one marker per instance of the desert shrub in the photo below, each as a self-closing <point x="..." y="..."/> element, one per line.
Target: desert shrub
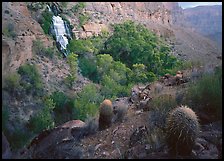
<point x="163" y="102"/>
<point x="78" y="7"/>
<point x="63" y="107"/>
<point x="60" y="99"/>
<point x="87" y="102"/>
<point x="72" y="60"/>
<point x="88" y="68"/>
<point x="39" y="49"/>
<point x="9" y="31"/>
<point x="18" y="138"/>
<point x="91" y="126"/>
<point x="12" y="81"/>
<point x="30" y="78"/>
<point x="45" y="20"/>
<point x="206" y="94"/>
<point x="43" y="119"/>
<point x="64" y="4"/>
<point x="83" y="18"/>
<point x="81" y="46"/>
<point x="5" y="116"/>
<point x="134" y="44"/>
<point x="120" y="111"/>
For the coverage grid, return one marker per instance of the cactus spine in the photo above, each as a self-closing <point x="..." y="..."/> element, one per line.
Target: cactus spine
<point x="106" y="114"/>
<point x="182" y="130"/>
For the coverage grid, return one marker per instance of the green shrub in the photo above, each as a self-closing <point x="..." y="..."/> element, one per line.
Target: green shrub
<point x="43" y="119"/>
<point x="163" y="103"/>
<point x="88" y="68"/>
<point x="87" y="102"/>
<point x="12" y="82"/>
<point x="81" y="46"/>
<point x="206" y="94"/>
<point x="5" y="117"/>
<point x="83" y="18"/>
<point x="134" y="44"/>
<point x="30" y="78"/>
<point x="39" y="49"/>
<point x="9" y="31"/>
<point x="78" y="7"/>
<point x="45" y="21"/>
<point x="64" y="4"/>
<point x="60" y="99"/>
<point x="18" y="138"/>
<point x="72" y="60"/>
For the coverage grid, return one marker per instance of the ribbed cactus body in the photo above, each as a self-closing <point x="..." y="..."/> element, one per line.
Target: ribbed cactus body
<point x="182" y="130"/>
<point x="106" y="114"/>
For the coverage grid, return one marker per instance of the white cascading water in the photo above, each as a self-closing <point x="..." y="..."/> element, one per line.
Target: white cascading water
<point x="60" y="32"/>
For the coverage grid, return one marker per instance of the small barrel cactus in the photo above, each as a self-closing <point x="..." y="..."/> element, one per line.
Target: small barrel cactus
<point x="106" y="114"/>
<point x="182" y="130"/>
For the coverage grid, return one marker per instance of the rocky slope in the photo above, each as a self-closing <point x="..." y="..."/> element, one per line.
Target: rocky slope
<point x="206" y="20"/>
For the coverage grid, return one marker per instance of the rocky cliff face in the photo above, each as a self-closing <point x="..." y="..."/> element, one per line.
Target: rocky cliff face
<point x="17" y="47"/>
<point x="206" y="20"/>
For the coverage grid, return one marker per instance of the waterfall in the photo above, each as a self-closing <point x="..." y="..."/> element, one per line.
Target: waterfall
<point x="61" y="30"/>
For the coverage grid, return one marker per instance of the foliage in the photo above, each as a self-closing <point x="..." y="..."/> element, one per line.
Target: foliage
<point x="12" y="81"/>
<point x="163" y="103"/>
<point x="206" y="94"/>
<point x="45" y="20"/>
<point x="60" y="99"/>
<point x="134" y="44"/>
<point x="64" y="4"/>
<point x="83" y="18"/>
<point x="78" y="7"/>
<point x="87" y="102"/>
<point x="81" y="46"/>
<point x="89" y="68"/>
<point x="5" y="116"/>
<point x="43" y="119"/>
<point x="39" y="49"/>
<point x="72" y="60"/>
<point x="9" y="31"/>
<point x="30" y="78"/>
<point x="18" y="138"/>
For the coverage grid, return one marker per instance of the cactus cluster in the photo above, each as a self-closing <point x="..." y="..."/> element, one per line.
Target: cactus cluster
<point x="182" y="130"/>
<point x="106" y="114"/>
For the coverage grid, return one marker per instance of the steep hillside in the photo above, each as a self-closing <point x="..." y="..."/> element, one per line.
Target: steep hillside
<point x="206" y="20"/>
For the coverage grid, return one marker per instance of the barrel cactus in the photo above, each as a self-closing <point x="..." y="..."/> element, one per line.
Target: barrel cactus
<point x="182" y="130"/>
<point x="106" y="114"/>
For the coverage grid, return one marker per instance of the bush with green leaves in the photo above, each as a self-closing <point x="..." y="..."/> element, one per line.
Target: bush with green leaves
<point x="134" y="44"/>
<point x="206" y="94"/>
<point x="9" y="31"/>
<point x="72" y="60"/>
<point x="45" y="20"/>
<point x="87" y="102"/>
<point x="5" y="116"/>
<point x="83" y="18"/>
<point x="30" y="79"/>
<point x="12" y="82"/>
<point x="43" y="119"/>
<point x="39" y="49"/>
<point x="81" y="46"/>
<point x="78" y="7"/>
<point x="88" y="68"/>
